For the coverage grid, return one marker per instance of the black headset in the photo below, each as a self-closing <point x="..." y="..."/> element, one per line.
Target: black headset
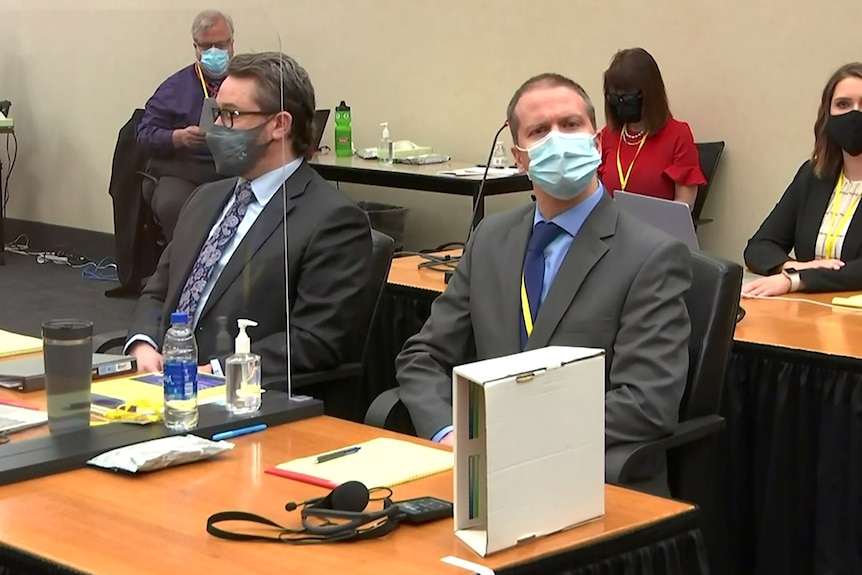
<point x="340" y="516"/>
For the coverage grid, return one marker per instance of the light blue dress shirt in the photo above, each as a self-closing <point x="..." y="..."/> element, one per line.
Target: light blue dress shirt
<point x="571" y="221"/>
<point x="264" y="189"/>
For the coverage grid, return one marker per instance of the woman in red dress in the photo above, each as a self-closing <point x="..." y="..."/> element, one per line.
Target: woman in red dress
<point x="645" y="150"/>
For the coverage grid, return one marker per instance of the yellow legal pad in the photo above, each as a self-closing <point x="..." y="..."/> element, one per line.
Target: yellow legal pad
<point x="12" y="343"/>
<point x="852" y="301"/>
<point x="381" y="462"/>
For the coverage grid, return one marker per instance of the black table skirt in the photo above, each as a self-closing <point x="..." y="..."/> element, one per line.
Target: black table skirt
<point x="793" y="449"/>
<point x="672" y="547"/>
<point x="795" y="461"/>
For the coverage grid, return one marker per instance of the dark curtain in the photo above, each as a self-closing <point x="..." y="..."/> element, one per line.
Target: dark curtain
<point x="794" y="422"/>
<point x="671" y="547"/>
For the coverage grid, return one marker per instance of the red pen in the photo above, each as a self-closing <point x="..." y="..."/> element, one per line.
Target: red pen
<point x="16" y="403"/>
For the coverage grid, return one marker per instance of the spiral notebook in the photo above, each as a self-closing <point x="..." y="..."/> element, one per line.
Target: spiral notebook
<point x="381" y="462"/>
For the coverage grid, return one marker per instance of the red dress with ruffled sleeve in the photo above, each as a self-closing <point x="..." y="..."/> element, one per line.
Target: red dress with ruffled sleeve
<point x="667" y="158"/>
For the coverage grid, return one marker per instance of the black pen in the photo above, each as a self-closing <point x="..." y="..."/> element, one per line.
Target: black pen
<point x="336" y="454"/>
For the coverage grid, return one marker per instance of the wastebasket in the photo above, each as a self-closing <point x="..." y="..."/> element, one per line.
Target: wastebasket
<point x="387" y="219"/>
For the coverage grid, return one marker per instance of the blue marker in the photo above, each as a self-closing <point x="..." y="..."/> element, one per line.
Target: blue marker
<point x="237" y="432"/>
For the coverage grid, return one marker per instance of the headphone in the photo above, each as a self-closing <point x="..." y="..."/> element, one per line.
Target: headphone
<point x="340" y="516"/>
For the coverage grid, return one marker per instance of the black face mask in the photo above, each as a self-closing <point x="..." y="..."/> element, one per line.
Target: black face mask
<point x="627" y="106"/>
<point x="846" y="131"/>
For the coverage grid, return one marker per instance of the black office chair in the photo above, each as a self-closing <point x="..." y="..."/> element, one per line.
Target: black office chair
<point x="710" y="154"/>
<point x="339" y="388"/>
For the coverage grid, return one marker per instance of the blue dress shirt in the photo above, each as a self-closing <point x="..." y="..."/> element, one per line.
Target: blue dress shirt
<point x="571" y="221"/>
<point x="264" y="189"/>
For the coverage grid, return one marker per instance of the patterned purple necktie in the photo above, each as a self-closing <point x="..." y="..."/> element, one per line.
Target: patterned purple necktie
<point x="211" y="251"/>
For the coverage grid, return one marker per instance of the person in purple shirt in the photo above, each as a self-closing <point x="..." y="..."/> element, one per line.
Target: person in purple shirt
<point x="169" y="133"/>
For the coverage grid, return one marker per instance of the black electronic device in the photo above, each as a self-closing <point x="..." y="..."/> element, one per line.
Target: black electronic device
<point x="424" y="509"/>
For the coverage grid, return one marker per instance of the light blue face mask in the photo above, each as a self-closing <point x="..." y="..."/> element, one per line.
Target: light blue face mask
<point x="214" y="62"/>
<point x="563" y="164"/>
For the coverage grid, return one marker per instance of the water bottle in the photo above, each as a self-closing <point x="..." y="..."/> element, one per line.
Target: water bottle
<point x="343" y="131"/>
<point x="180" y="354"/>
<point x="499" y="159"/>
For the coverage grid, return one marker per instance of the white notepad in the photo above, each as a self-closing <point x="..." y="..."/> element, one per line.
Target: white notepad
<point x="381" y="462"/>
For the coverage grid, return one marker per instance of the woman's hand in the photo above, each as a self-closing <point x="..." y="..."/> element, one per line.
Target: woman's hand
<point x="830" y="264"/>
<point x="769" y="286"/>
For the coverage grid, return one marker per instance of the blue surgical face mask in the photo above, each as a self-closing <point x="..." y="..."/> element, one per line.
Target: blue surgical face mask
<point x="563" y="164"/>
<point x="215" y="61"/>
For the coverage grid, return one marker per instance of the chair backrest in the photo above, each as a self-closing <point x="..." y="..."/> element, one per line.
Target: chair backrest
<point x="710" y="154"/>
<point x="712" y="301"/>
<point x="382" y="248"/>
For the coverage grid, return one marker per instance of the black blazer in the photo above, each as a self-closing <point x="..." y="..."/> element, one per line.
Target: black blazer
<point x="793" y="224"/>
<point x="329" y="242"/>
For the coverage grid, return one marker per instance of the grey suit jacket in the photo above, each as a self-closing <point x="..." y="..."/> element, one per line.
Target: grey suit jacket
<point x="620" y="287"/>
<point x="329" y="242"/>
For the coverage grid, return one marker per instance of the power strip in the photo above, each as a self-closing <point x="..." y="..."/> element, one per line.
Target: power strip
<point x="60" y="258"/>
<point x="52" y="257"/>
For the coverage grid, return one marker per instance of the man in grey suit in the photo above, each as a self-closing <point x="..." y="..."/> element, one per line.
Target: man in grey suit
<point x="570" y="270"/>
<point x="228" y="251"/>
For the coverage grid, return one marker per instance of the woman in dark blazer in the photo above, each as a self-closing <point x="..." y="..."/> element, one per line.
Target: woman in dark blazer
<point x="818" y="216"/>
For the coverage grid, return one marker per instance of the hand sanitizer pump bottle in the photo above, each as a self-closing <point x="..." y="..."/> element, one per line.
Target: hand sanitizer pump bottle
<point x="384" y="150"/>
<point x="242" y="374"/>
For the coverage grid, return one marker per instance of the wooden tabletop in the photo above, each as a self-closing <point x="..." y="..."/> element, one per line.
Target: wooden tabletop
<point x="802" y="321"/>
<point x="797" y="321"/>
<point x="101" y="522"/>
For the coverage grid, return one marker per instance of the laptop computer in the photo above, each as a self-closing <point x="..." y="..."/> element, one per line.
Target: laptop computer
<point x="673" y="218"/>
<point x="14" y="419"/>
<point x="28" y="373"/>
<point x="321" y="117"/>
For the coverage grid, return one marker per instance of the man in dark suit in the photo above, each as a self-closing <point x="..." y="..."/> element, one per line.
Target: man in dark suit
<point x="569" y="270"/>
<point x="227" y="256"/>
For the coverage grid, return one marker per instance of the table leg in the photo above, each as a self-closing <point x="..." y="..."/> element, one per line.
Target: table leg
<point x="2" y="220"/>
<point x="478" y="209"/>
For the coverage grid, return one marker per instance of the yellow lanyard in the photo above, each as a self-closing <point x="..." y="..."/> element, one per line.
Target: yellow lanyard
<point x="624" y="178"/>
<point x="203" y="82"/>
<point x="835" y="228"/>
<point x="525" y="308"/>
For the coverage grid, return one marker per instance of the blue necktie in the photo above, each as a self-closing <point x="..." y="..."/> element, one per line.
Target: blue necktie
<point x="534" y="275"/>
<point x="211" y="251"/>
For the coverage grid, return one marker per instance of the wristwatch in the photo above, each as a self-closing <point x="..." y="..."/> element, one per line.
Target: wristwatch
<point x="793" y="275"/>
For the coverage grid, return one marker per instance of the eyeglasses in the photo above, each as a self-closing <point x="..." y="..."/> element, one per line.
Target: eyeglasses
<point x="203" y="47"/>
<point x="227" y="116"/>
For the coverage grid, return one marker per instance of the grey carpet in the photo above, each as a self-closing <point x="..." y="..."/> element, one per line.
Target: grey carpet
<point x="31" y="293"/>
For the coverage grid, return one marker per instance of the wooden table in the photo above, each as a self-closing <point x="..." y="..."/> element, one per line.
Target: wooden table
<point x="427" y="178"/>
<point x="98" y="522"/>
<point x="797" y="321"/>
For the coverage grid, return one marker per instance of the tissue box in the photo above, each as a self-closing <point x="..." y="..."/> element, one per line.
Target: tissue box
<point x="529" y="445"/>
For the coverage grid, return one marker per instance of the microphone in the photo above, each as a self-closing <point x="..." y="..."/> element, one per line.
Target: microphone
<point x="477" y="201"/>
<point x="452" y="261"/>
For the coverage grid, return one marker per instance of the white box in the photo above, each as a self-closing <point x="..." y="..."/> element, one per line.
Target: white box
<point x="529" y="445"/>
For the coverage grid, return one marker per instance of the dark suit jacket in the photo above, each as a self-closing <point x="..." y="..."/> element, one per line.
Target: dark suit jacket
<point x="136" y="246"/>
<point x="620" y="288"/>
<point x="329" y="242"/>
<point x="793" y="224"/>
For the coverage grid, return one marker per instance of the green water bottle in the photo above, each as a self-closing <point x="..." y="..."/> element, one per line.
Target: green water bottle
<point x="343" y="131"/>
